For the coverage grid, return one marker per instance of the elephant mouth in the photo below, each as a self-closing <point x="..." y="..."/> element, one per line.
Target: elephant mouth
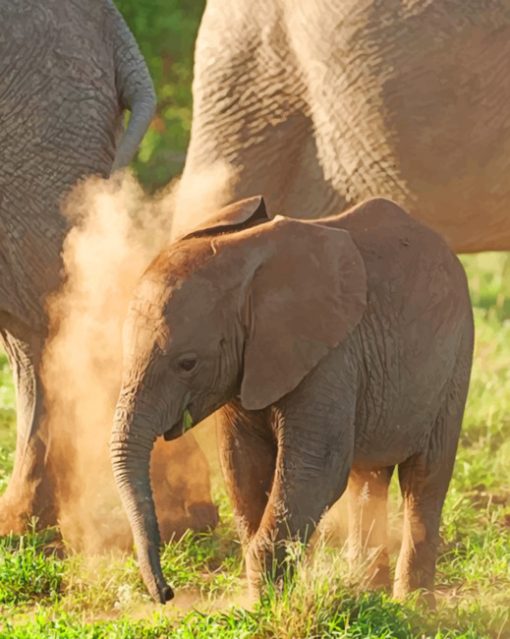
<point x="183" y="424"/>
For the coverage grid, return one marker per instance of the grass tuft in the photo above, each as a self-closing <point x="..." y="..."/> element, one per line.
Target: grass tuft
<point x="28" y="571"/>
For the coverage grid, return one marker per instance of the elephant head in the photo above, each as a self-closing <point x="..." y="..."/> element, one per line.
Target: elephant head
<point x="242" y="307"/>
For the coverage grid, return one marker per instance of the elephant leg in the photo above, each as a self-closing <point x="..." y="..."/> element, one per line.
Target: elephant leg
<point x="368" y="524"/>
<point x="247" y="451"/>
<point x="30" y="492"/>
<point x="424" y="480"/>
<point x="312" y="469"/>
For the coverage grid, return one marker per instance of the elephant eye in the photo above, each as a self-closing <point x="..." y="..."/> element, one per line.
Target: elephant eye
<point x="187" y="363"/>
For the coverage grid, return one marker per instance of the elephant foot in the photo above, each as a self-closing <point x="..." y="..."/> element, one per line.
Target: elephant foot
<point x="269" y="566"/>
<point x="21" y="510"/>
<point x="415" y="579"/>
<point x="425" y="596"/>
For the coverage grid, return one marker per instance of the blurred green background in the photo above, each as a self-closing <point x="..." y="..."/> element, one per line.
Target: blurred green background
<point x="165" y="31"/>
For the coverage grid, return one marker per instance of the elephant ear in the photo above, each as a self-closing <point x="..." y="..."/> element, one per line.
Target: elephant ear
<point x="307" y="294"/>
<point x="234" y="217"/>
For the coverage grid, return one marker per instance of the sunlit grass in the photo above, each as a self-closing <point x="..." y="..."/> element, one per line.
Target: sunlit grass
<point x="7" y="421"/>
<point x="43" y="594"/>
<point x="29" y="570"/>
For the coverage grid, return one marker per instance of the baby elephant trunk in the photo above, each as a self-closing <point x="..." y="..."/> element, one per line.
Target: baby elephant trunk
<point x="130" y="449"/>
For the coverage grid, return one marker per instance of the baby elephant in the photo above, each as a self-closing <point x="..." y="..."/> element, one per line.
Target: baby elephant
<point x="335" y="349"/>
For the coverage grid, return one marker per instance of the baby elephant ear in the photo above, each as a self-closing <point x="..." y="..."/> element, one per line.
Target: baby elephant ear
<point x="236" y="216"/>
<point x="307" y="294"/>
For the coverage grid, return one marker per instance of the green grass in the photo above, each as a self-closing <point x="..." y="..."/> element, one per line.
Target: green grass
<point x="29" y="569"/>
<point x="46" y="593"/>
<point x="7" y="421"/>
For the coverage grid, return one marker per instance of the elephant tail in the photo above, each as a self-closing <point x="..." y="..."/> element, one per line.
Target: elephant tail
<point x="135" y="88"/>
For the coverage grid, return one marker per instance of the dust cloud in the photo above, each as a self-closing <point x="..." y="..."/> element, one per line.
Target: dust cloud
<point x="200" y="194"/>
<point x="115" y="232"/>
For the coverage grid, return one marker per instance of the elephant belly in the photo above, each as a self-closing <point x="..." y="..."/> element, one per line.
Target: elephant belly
<point x="396" y="416"/>
<point x="390" y="442"/>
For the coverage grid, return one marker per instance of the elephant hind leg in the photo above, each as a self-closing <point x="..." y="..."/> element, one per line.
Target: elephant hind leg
<point x="368" y="524"/>
<point x="424" y="480"/>
<point x="30" y="492"/>
<point x="423" y="490"/>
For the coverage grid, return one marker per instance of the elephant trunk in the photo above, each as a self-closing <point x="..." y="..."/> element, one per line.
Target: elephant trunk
<point x="130" y="449"/>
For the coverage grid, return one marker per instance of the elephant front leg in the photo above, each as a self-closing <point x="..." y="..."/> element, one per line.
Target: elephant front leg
<point x="312" y="469"/>
<point x="247" y="452"/>
<point x="30" y="492"/>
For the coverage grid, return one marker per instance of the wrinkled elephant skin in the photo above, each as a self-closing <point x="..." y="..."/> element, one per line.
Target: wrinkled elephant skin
<point x="321" y="105"/>
<point x="335" y="350"/>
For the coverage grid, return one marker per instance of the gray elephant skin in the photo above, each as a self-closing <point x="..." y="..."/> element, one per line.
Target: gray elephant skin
<point x="321" y="105"/>
<point x="334" y="350"/>
<point x="68" y="71"/>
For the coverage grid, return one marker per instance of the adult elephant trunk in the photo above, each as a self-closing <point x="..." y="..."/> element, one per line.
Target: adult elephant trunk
<point x="132" y="441"/>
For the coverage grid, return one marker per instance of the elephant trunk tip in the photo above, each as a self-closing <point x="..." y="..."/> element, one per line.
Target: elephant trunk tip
<point x="165" y="594"/>
<point x="152" y="575"/>
<point x="160" y="591"/>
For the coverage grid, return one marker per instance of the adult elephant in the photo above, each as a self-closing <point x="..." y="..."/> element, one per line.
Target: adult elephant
<point x="68" y="71"/>
<point x="319" y="105"/>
